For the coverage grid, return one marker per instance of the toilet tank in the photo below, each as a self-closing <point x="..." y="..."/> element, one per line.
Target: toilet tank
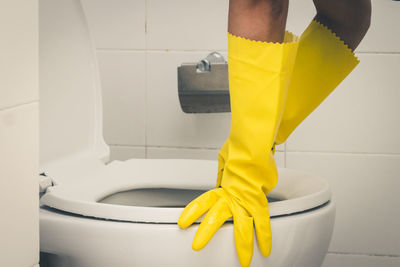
<point x="70" y="95"/>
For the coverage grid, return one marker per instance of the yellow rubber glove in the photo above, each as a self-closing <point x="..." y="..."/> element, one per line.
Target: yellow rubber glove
<point x="223" y="153"/>
<point x="222" y="157"/>
<point x="259" y="75"/>
<point x="322" y="63"/>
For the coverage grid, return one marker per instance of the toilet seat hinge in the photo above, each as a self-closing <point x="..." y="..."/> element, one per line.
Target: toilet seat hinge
<point x="44" y="183"/>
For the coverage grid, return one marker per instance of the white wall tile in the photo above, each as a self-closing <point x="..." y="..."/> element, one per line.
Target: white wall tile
<point x="280" y="159"/>
<point x="365" y="188"/>
<point x="126" y="152"/>
<point x="384" y="32"/>
<point x="196" y="153"/>
<point x="281" y="147"/>
<point x="188" y="25"/>
<point x="116" y="24"/>
<point x="167" y="124"/>
<point x="361" y="115"/>
<point x="335" y="260"/>
<point x="18" y="53"/>
<point x="300" y="15"/>
<point x="181" y="153"/>
<point x="19" y="149"/>
<point x="123" y="85"/>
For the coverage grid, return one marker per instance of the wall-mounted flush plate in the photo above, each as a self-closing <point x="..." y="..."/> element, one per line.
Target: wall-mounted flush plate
<point x="203" y="86"/>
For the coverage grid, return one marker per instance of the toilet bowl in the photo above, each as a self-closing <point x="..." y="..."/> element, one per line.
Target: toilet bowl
<point x="124" y="213"/>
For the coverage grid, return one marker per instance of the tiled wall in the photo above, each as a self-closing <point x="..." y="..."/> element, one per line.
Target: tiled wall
<point x="352" y="139"/>
<point x="19" y="205"/>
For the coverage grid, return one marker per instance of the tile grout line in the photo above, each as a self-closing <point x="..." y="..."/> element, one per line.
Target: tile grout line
<point x="145" y="80"/>
<point x="282" y="151"/>
<point x="137" y="50"/>
<point x="19" y="105"/>
<point x="378" y="52"/>
<point x="284" y="157"/>
<point x="170" y="147"/>
<point x="363" y="254"/>
<point x="127" y="146"/>
<point x="164" y="147"/>
<point x="343" y="153"/>
<point x="208" y="50"/>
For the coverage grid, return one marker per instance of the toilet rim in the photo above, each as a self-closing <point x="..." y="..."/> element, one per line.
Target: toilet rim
<point x="299" y="190"/>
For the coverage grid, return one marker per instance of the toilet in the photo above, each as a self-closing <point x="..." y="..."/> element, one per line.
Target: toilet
<point x="124" y="213"/>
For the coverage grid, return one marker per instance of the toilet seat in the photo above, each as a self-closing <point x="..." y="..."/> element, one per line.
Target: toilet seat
<point x="72" y="144"/>
<point x="80" y="184"/>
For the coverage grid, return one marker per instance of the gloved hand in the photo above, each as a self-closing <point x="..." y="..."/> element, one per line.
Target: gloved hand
<point x="259" y="74"/>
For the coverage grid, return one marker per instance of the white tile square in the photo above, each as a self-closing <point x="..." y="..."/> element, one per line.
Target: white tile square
<point x="127" y="152"/>
<point x="280" y="159"/>
<point x="192" y="153"/>
<point x="300" y="15"/>
<point x="384" y="33"/>
<point x="281" y="147"/>
<point x="187" y="25"/>
<point x="361" y="115"/>
<point x="382" y="36"/>
<point x="167" y="124"/>
<point x="181" y="153"/>
<point x="19" y="205"/>
<point x="123" y="86"/>
<point x="344" y="260"/>
<point x="18" y="53"/>
<point x="365" y="189"/>
<point x="116" y="24"/>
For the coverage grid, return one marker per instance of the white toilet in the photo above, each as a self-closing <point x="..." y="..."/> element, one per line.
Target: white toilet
<point x="124" y="213"/>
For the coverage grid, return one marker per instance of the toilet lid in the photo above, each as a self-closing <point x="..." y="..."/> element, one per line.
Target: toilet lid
<point x="70" y="95"/>
<point x="80" y="186"/>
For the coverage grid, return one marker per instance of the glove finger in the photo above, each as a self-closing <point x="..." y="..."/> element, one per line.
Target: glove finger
<point x="244" y="236"/>
<point x="197" y="208"/>
<point x="213" y="220"/>
<point x="263" y="232"/>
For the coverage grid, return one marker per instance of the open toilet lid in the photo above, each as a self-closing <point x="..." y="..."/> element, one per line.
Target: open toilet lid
<point x="297" y="191"/>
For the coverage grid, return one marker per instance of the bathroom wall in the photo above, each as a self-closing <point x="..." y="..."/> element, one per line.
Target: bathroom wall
<point x="19" y="206"/>
<point x="351" y="139"/>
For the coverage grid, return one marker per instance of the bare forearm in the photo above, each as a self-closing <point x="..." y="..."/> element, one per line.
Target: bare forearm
<point x="349" y="20"/>
<point x="261" y="20"/>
